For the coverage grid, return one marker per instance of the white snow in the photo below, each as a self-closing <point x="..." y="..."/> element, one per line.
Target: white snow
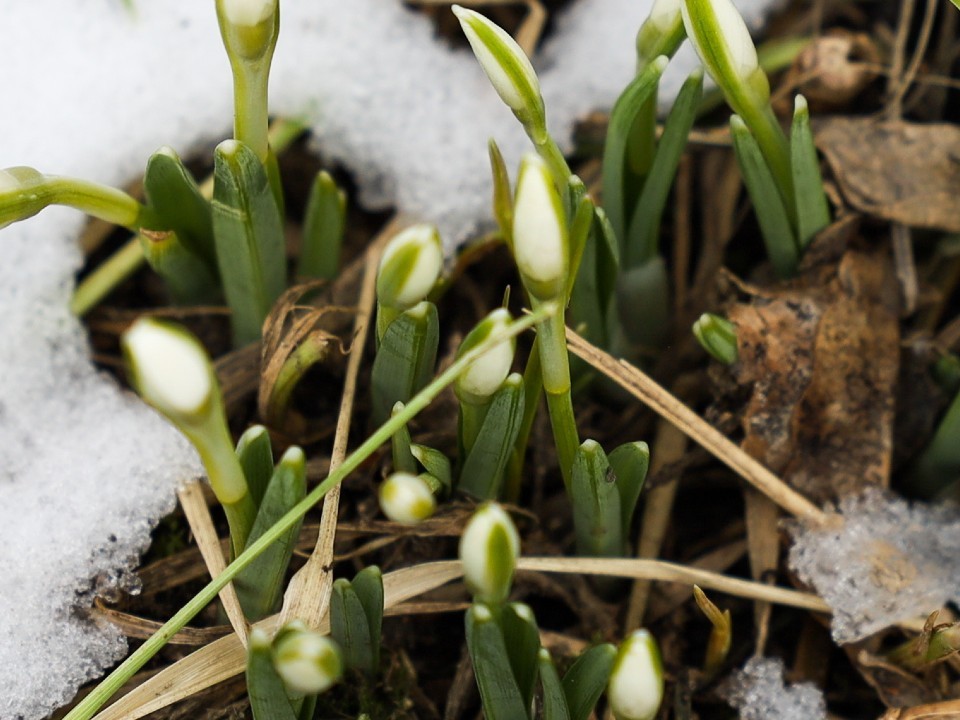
<point x="881" y="561"/>
<point x="90" y="89"/>
<point x="759" y="693"/>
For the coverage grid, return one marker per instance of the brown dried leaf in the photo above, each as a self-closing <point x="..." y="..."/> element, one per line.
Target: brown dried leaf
<point x="898" y="171"/>
<point x="834" y="68"/>
<point x="823" y="356"/>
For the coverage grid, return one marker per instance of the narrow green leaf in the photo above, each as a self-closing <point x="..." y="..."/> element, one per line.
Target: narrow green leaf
<point x="581" y="213"/>
<point x="767" y="203"/>
<point x="630" y="103"/>
<point x="403" y="459"/>
<point x="368" y="584"/>
<point x="641" y="244"/>
<point x="323" y="229"/>
<point x="435" y="463"/>
<point x="350" y="628"/>
<point x="502" y="194"/>
<point x="260" y="585"/>
<point x="586" y="679"/>
<point x="522" y="639"/>
<point x="172" y="192"/>
<point x="482" y="473"/>
<point x="188" y="279"/>
<point x="499" y="693"/>
<point x="267" y="693"/>
<point x="405" y="359"/>
<point x="596" y="503"/>
<point x="630" y="463"/>
<point x="554" y="700"/>
<point x="813" y="211"/>
<point x="249" y="237"/>
<point x="643" y="302"/>
<point x="256" y="458"/>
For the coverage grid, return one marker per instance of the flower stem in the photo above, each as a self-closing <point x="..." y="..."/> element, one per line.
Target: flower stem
<point x="551" y="340"/>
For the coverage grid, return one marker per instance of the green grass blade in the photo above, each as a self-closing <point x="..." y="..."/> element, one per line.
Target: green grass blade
<point x="586" y="679"/>
<point x="626" y="109"/>
<point x="172" y="192"/>
<point x="522" y="639"/>
<point x="405" y="359"/>
<point x="813" y="211"/>
<point x="260" y="585"/>
<point x="368" y="584"/>
<point x="643" y="302"/>
<point x="630" y="463"/>
<point x="349" y="627"/>
<point x="643" y="235"/>
<point x="482" y="473"/>
<point x="554" y="700"/>
<point x="499" y="693"/>
<point x="774" y="221"/>
<point x="323" y="229"/>
<point x="265" y="689"/>
<point x="255" y="453"/>
<point x="502" y="194"/>
<point x="596" y="503"/>
<point x="249" y="238"/>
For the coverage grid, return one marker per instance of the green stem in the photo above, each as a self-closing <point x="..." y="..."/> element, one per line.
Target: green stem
<point x="776" y="151"/>
<point x="100" y="201"/>
<point x="250" y="118"/>
<point x="550" y="151"/>
<point x="128" y="668"/>
<point x="551" y="339"/>
<point x="102" y="281"/>
<point x="229" y="485"/>
<point x="532" y="387"/>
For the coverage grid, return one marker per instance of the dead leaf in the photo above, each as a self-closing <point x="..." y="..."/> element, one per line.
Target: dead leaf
<point x="834" y="68"/>
<point x="895" y="687"/>
<point x="902" y="172"/>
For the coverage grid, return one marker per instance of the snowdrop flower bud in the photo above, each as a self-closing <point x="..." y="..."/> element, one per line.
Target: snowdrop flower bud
<point x="635" y="689"/>
<point x="486" y="374"/>
<point x="409" y="267"/>
<point x="489" y="548"/>
<point x="661" y="33"/>
<point x="540" y="237"/>
<point x="308" y="662"/>
<point x="718" y="336"/>
<point x="19" y="196"/>
<point x="723" y="42"/>
<point x="249" y="27"/>
<point x="508" y="69"/>
<point x="406" y="498"/>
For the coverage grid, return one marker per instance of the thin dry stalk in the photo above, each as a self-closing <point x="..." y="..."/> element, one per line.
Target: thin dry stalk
<point x="661" y="401"/>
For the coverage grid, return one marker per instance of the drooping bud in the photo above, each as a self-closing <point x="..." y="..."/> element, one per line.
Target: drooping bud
<point x="489" y="548"/>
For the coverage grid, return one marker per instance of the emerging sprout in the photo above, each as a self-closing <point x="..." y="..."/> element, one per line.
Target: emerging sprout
<point x="508" y="69"/>
<point x="486" y="374"/>
<point x="489" y="548"/>
<point x="540" y="236"/>
<point x="409" y="267"/>
<point x="635" y="690"/>
<point x="406" y="498"/>
<point x="308" y="662"/>
<point x="718" y="336"/>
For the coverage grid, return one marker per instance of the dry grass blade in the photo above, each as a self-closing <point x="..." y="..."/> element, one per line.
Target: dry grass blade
<point x="308" y="595"/>
<point x="661" y="401"/>
<point x="949" y="710"/>
<point x="134" y="626"/>
<point x="201" y="525"/>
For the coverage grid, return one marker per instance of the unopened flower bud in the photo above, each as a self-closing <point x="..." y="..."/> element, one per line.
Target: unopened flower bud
<point x="407" y="498"/>
<point x="308" y="662"/>
<point x="635" y="689"/>
<point x="409" y="267"/>
<point x="540" y="235"/>
<point x="489" y="548"/>
<point x="486" y="374"/>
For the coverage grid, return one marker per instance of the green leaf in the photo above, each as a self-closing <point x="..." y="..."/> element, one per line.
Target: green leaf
<point x="482" y="473"/>
<point x="630" y="103"/>
<point x="596" y="503"/>
<point x="499" y="693"/>
<point x="522" y="639"/>
<point x="630" y="463"/>
<point x="586" y="679"/>
<point x="405" y="359"/>
<point x="368" y="584"/>
<point x="767" y="203"/>
<point x="641" y="244"/>
<point x="260" y="585"/>
<point x="188" y="279"/>
<point x="813" y="211"/>
<point x="554" y="700"/>
<point x="435" y="463"/>
<point x="256" y="458"/>
<point x="350" y="628"/>
<point x="267" y="693"/>
<point x="643" y="303"/>
<point x="323" y="229"/>
<point x="249" y="238"/>
<point x="502" y="194"/>
<point x="172" y="192"/>
<point x="403" y="459"/>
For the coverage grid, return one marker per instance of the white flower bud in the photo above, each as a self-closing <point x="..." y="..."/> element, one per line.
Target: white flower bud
<point x="489" y="548"/>
<point x="540" y="236"/>
<point x="486" y="374"/>
<point x="169" y="368"/>
<point x="635" y="689"/>
<point x="249" y="12"/>
<point x="664" y="14"/>
<point x="409" y="267"/>
<point x="721" y="39"/>
<point x="307" y="662"/>
<point x="406" y="498"/>
<point x="507" y="67"/>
